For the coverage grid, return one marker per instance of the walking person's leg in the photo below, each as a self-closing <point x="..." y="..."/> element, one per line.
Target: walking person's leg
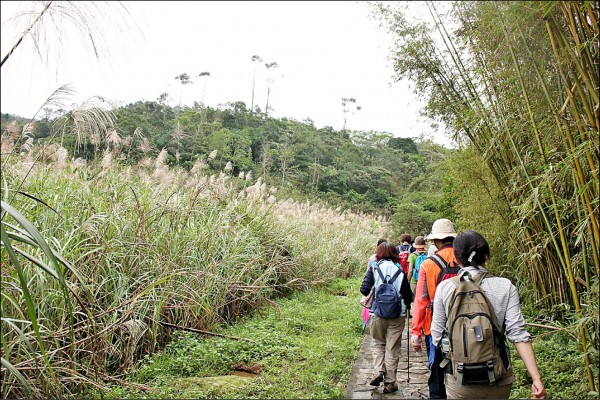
<point x="437" y="388"/>
<point x="378" y="331"/>
<point x="393" y="347"/>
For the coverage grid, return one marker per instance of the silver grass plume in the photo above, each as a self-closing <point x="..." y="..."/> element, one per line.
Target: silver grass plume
<point x="59" y="157"/>
<point x="161" y="159"/>
<point x="145" y="147"/>
<point x="27" y="146"/>
<point x="92" y="117"/>
<point x="113" y="138"/>
<point x="199" y="165"/>
<point x="107" y="159"/>
<point x="7" y="144"/>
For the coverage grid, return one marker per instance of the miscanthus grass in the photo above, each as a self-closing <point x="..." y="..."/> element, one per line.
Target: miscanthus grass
<point x="136" y="252"/>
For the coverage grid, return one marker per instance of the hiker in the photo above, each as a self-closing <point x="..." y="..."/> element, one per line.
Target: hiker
<point x="404" y="251"/>
<point x="388" y="318"/>
<point x="367" y="300"/>
<point x="414" y="262"/>
<point x="472" y="251"/>
<point x="441" y="265"/>
<point x="372" y="258"/>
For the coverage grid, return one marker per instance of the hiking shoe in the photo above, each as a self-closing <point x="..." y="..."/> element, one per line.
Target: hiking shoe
<point x="377" y="380"/>
<point x="390" y="388"/>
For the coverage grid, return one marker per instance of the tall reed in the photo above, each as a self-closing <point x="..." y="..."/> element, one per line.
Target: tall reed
<point x="134" y="252"/>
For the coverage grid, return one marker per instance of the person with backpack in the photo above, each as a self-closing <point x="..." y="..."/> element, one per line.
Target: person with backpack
<point x="415" y="260"/>
<point x="366" y="300"/>
<point x="404" y="251"/>
<point x="440" y="266"/>
<point x="391" y="303"/>
<point x="472" y="314"/>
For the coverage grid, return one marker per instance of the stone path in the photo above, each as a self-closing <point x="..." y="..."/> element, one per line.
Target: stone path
<point x="358" y="385"/>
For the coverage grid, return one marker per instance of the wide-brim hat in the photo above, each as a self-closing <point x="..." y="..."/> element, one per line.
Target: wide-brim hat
<point x="441" y="229"/>
<point x="419" y="242"/>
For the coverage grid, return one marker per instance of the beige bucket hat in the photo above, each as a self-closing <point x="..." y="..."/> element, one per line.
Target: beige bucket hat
<point x="442" y="228"/>
<point x="419" y="242"/>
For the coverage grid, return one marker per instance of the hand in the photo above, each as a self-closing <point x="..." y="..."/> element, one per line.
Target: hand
<point x="537" y="390"/>
<point x="416" y="343"/>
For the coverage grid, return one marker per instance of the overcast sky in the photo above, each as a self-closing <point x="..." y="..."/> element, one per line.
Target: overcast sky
<point x="325" y="51"/>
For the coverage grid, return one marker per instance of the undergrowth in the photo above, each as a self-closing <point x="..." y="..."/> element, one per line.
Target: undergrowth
<point x="303" y="347"/>
<point x="561" y="366"/>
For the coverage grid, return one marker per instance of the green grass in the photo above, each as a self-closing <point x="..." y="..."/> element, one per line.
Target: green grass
<point x="306" y="346"/>
<point x="561" y="366"/>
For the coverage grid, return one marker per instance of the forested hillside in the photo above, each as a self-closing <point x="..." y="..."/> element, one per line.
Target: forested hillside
<point x="366" y="171"/>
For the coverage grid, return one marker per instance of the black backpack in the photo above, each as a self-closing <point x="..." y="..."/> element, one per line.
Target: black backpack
<point x="387" y="303"/>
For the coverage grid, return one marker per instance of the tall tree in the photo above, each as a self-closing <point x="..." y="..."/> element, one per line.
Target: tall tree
<point x="184" y="79"/>
<point x="255" y="58"/>
<point x="270" y="80"/>
<point x="349" y="105"/>
<point x="204" y="75"/>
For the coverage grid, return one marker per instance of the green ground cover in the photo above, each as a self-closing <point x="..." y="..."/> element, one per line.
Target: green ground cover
<point x="303" y="347"/>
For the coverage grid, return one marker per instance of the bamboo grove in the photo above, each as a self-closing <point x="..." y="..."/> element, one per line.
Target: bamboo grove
<point x="518" y="81"/>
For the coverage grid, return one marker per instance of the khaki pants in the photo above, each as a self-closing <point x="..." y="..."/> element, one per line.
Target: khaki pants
<point x="387" y="335"/>
<point x="483" y="391"/>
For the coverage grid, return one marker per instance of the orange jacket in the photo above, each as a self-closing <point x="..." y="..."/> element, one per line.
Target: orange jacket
<point x="422" y="307"/>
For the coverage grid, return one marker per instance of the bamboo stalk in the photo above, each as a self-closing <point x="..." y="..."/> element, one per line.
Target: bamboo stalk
<point x="580" y="178"/>
<point x="589" y="154"/>
<point x="566" y="261"/>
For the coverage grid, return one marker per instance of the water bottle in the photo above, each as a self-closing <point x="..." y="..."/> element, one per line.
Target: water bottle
<point x="445" y="345"/>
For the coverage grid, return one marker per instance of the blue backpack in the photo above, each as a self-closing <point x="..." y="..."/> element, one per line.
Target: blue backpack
<point x="387" y="302"/>
<point x="419" y="260"/>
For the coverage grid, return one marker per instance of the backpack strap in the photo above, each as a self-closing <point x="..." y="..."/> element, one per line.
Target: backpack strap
<point x="396" y="275"/>
<point x="440" y="262"/>
<point x="380" y="273"/>
<point x="392" y="279"/>
<point x="477" y="280"/>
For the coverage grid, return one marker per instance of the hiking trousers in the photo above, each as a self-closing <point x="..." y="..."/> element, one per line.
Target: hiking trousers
<point x="386" y="344"/>
<point x="435" y="382"/>
<point x="484" y="391"/>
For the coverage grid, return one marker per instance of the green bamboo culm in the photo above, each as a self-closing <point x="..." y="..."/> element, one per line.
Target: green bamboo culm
<point x="518" y="83"/>
<point x="564" y="253"/>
